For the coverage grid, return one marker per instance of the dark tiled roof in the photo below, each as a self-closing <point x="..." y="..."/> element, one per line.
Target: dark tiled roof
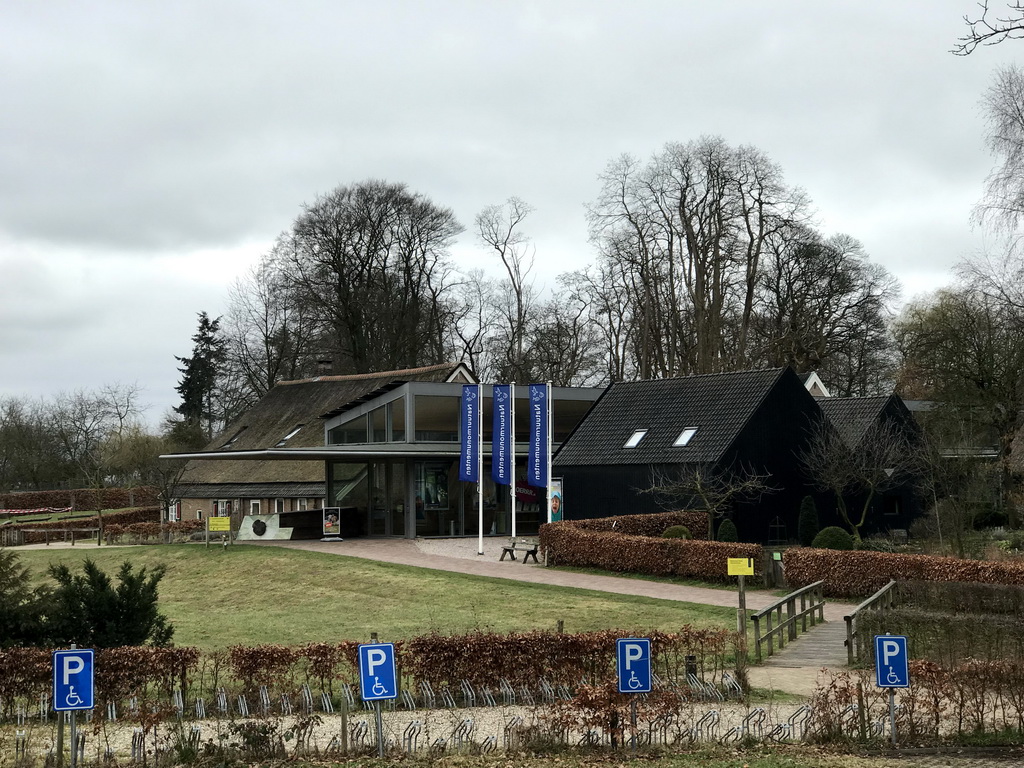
<point x="717" y="405"/>
<point x="852" y="416"/>
<point x="281" y="410"/>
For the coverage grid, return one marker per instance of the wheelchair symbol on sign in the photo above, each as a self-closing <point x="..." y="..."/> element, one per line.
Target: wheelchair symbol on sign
<point x="378" y="689"/>
<point x="892" y="678"/>
<point x="73" y="699"/>
<point x="633" y="681"/>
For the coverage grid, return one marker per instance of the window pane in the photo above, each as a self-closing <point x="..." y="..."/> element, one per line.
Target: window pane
<point x="378" y="425"/>
<point x="635" y="438"/>
<point x="353" y="431"/>
<point x="397" y="409"/>
<point x="437" y="419"/>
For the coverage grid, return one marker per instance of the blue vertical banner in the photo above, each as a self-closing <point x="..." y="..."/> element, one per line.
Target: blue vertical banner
<point x="502" y="440"/>
<point x="469" y="466"/>
<point x="537" y="456"/>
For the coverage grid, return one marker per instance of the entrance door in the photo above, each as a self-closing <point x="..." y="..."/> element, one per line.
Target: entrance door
<point x="387" y="499"/>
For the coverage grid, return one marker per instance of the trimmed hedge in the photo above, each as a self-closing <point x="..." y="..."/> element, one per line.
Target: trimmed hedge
<point x="860" y="573"/>
<point x="647" y="525"/>
<point x="88" y="499"/>
<point x="566" y="543"/>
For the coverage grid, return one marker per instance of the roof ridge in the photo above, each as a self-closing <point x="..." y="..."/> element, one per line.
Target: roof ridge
<point x="706" y="375"/>
<point x="372" y="374"/>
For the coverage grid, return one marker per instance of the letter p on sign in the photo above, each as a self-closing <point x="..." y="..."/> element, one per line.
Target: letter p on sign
<point x="73" y="665"/>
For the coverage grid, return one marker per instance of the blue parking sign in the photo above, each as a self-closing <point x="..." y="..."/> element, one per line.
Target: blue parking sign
<point x="633" y="661"/>
<point x="892" y="666"/>
<point x="377" y="677"/>
<point x="73" y="680"/>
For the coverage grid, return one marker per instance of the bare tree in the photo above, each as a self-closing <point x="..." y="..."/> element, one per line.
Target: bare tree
<point x="499" y="228"/>
<point x="1002" y="207"/>
<point x="882" y="459"/>
<point x="990" y="28"/>
<point x="712" y="488"/>
<point x="372" y="260"/>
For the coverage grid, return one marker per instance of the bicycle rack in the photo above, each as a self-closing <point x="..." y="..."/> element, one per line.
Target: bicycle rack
<point x="286" y="704"/>
<point x="546" y="691"/>
<point x="427" y="693"/>
<point x="44" y="707"/>
<point x="468" y="695"/>
<point x="564" y="693"/>
<point x="178" y="702"/>
<point x="222" y="702"/>
<point x="20" y="745"/>
<point x="590" y="738"/>
<point x="659" y="725"/>
<point x="731" y="687"/>
<point x="112" y="710"/>
<point x="707" y="690"/>
<point x="508" y="693"/>
<point x="781" y="732"/>
<point x="487" y="696"/>
<point x="264" y="700"/>
<point x="706" y="726"/>
<point x="849" y="718"/>
<point x="526" y="696"/>
<point x="753" y="723"/>
<point x="411" y="735"/>
<point x="307" y="699"/>
<point x="800" y="721"/>
<point x="439" y="745"/>
<point x="463" y="733"/>
<point x="138" y="745"/>
<point x="200" y="707"/>
<point x="195" y="734"/>
<point x="511" y="734"/>
<point x="733" y="734"/>
<point x="80" y="748"/>
<point x="243" y="705"/>
<point x="447" y="699"/>
<point x="359" y="731"/>
<point x="407" y="700"/>
<point x="346" y="691"/>
<point x="490" y="744"/>
<point x="21" y="716"/>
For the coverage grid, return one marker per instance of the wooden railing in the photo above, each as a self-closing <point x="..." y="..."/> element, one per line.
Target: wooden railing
<point x="882" y="600"/>
<point x="779" y="629"/>
<point x="17" y="536"/>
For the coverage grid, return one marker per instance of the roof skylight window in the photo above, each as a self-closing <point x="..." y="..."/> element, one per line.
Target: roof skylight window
<point x="234" y="437"/>
<point x="685" y="436"/>
<point x="289" y="436"/>
<point x="635" y="438"/>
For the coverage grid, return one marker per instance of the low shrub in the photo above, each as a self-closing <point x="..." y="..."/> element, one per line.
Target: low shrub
<point x="676" y="532"/>
<point x="833" y="537"/>
<point x="727" y="531"/>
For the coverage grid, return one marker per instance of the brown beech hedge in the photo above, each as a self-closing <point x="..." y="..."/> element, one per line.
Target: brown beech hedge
<point x="81" y="498"/>
<point x="116" y="520"/>
<point x="575" y="543"/>
<point x="859" y="574"/>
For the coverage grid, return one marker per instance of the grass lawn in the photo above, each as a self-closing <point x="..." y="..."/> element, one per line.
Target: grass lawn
<point x="252" y="595"/>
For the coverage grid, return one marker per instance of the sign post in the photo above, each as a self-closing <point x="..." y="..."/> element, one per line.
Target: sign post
<point x="217" y="525"/>
<point x="633" y="664"/>
<point x="378" y="680"/>
<point x="73" y="687"/>
<point x="741" y="566"/>
<point x="892" y="670"/>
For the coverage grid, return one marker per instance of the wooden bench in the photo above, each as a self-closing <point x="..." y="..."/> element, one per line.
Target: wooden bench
<point x="527" y="546"/>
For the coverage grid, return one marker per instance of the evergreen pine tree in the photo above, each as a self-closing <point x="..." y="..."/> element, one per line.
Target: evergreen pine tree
<point x="200" y="376"/>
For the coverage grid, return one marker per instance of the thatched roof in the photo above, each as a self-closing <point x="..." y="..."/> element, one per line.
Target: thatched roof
<point x="291" y="406"/>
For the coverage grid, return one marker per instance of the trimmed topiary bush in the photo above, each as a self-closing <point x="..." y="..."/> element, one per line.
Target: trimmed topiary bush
<point x="807" y="526"/>
<point x="727" y="531"/>
<point x="676" y="532"/>
<point x="833" y="537"/>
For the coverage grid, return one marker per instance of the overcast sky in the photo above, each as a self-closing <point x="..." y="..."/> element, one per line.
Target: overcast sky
<point x="149" y="153"/>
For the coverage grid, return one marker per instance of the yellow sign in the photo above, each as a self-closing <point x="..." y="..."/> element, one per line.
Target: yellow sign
<point x="741" y="566"/>
<point x="221" y="524"/>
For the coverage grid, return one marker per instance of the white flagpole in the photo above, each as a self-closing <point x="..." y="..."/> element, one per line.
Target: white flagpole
<point x="480" y="467"/>
<point x="512" y="440"/>
<point x="551" y="413"/>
